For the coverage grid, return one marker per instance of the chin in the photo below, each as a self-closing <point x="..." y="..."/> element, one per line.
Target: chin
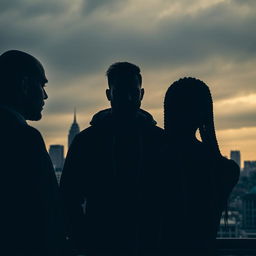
<point x="34" y="117"/>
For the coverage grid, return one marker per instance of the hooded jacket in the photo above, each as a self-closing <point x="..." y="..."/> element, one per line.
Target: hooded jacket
<point x="104" y="171"/>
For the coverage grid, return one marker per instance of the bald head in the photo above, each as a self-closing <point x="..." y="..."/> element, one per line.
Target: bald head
<point x="22" y="80"/>
<point x="16" y="64"/>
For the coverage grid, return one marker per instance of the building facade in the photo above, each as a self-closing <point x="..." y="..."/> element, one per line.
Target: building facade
<point x="249" y="214"/>
<point x="235" y="155"/>
<point x="56" y="153"/>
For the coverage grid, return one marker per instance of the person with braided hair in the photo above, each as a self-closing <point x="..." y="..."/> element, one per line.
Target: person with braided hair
<point x="203" y="178"/>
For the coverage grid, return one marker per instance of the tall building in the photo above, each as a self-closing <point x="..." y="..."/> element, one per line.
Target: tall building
<point x="249" y="165"/>
<point x="74" y="130"/>
<point x="56" y="153"/>
<point x="249" y="168"/>
<point x="236" y="156"/>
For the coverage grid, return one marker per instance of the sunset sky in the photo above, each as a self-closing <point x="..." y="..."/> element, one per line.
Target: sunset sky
<point x="76" y="41"/>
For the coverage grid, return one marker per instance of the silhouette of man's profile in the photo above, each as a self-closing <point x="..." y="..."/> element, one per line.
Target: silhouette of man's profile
<point x="104" y="167"/>
<point x="204" y="178"/>
<point x="30" y="212"/>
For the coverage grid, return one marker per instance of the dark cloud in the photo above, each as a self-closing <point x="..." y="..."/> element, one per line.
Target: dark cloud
<point x="250" y="3"/>
<point x="89" y="6"/>
<point x="236" y="121"/>
<point x="78" y="46"/>
<point x="77" y="40"/>
<point x="27" y="9"/>
<point x="7" y="5"/>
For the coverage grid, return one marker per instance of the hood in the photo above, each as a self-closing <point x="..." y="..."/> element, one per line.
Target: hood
<point x="105" y="118"/>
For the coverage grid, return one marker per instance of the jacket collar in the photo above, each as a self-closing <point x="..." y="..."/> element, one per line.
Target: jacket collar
<point x="104" y="118"/>
<point x="14" y="113"/>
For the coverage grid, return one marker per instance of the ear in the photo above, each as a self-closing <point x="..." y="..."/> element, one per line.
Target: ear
<point x="25" y="85"/>
<point x="141" y="93"/>
<point x="108" y="94"/>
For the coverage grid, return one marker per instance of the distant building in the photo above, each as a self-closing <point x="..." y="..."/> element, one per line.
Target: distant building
<point x="74" y="130"/>
<point x="236" y="156"/>
<point x="249" y="165"/>
<point x="249" y="214"/>
<point x="249" y="168"/>
<point x="231" y="230"/>
<point x="56" y="153"/>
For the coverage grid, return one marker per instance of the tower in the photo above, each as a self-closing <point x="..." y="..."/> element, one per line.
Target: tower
<point x="74" y="130"/>
<point x="236" y="156"/>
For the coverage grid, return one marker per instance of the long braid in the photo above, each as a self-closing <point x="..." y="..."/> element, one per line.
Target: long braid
<point x="207" y="130"/>
<point x="208" y="136"/>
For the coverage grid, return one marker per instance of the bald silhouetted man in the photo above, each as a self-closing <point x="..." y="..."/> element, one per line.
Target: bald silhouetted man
<point x="30" y="217"/>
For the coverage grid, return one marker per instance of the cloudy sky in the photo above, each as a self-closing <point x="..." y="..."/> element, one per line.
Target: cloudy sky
<point x="213" y="40"/>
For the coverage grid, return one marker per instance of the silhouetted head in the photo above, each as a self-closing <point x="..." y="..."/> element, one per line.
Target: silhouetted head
<point x="22" y="81"/>
<point x="187" y="107"/>
<point x="125" y="92"/>
<point x="187" y="104"/>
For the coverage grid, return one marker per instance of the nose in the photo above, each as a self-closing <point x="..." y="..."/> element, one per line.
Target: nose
<point x="45" y="94"/>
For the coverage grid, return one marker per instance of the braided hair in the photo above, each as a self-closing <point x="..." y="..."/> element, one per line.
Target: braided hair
<point x="193" y="95"/>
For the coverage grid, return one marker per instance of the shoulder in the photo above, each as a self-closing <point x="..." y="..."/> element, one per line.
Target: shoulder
<point x="32" y="137"/>
<point x="21" y="134"/>
<point x="85" y="139"/>
<point x="86" y="132"/>
<point x="231" y="165"/>
<point x="33" y="133"/>
<point x="86" y="135"/>
<point x="26" y="145"/>
<point x="155" y="131"/>
<point x="229" y="169"/>
<point x="158" y="130"/>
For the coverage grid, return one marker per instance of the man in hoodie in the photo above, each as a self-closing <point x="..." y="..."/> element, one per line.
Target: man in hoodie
<point x="103" y="177"/>
<point x="30" y="217"/>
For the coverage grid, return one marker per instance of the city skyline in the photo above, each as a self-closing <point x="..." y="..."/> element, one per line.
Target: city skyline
<point x="84" y="123"/>
<point x="77" y="41"/>
<point x="74" y="129"/>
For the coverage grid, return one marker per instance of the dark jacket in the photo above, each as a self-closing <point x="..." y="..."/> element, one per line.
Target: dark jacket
<point x="30" y="217"/>
<point x="104" y="166"/>
<point x="193" y="205"/>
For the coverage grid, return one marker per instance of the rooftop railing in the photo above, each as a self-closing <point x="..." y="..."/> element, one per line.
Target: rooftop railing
<point x="236" y="246"/>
